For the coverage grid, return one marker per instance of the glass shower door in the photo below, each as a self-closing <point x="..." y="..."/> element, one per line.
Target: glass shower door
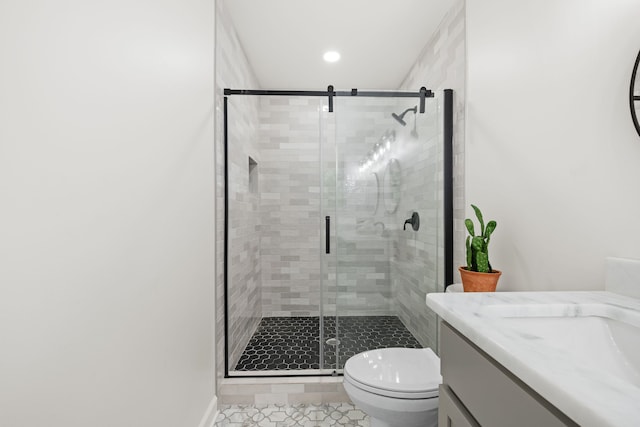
<point x="385" y="171"/>
<point x="319" y="267"/>
<point x="274" y="235"/>
<point x="329" y="255"/>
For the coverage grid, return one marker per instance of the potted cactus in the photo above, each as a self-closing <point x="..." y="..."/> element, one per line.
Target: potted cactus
<point x="478" y="276"/>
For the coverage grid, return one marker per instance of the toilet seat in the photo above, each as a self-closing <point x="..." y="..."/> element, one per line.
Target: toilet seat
<point x="402" y="373"/>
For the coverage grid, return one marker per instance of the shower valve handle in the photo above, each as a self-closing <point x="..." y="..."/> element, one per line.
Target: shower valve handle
<point x="414" y="221"/>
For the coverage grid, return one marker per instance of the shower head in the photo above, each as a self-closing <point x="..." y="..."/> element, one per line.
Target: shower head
<point x="400" y="118"/>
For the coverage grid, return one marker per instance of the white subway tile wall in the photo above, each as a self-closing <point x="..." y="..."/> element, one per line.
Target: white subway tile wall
<point x="289" y="133"/>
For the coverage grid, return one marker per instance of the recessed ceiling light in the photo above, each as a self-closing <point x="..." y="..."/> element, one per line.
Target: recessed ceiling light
<point x="331" y="56"/>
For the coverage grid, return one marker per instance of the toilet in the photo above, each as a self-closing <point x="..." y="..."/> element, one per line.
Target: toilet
<point x="396" y="387"/>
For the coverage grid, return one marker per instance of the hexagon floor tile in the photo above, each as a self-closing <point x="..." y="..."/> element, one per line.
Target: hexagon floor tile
<point x="291" y="343"/>
<point x="302" y="415"/>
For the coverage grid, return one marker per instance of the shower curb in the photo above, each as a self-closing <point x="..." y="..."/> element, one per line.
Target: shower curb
<point x="264" y="391"/>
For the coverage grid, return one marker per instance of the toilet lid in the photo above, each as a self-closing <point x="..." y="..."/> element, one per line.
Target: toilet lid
<point x="408" y="373"/>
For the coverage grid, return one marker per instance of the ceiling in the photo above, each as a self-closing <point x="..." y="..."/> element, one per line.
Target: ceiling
<point x="379" y="40"/>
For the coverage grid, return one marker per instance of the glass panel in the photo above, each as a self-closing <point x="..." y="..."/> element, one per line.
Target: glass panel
<point x="274" y="234"/>
<point x="386" y="171"/>
<point x="294" y="169"/>
<point x="244" y="165"/>
<point x="328" y="337"/>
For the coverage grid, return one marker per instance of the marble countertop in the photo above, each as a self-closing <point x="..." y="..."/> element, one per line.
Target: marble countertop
<point x="590" y="396"/>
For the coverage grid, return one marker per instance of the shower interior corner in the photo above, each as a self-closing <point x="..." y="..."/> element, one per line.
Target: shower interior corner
<point x="319" y="264"/>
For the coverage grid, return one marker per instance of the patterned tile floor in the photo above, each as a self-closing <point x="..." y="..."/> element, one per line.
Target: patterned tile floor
<point x="302" y="415"/>
<point x="285" y="343"/>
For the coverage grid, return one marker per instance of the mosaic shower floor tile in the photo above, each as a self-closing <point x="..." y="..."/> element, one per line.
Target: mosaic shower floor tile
<point x="302" y="415"/>
<point x="285" y="343"/>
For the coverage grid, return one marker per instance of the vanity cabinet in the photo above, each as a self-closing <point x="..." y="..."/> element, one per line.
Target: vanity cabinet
<point x="451" y="412"/>
<point x="478" y="391"/>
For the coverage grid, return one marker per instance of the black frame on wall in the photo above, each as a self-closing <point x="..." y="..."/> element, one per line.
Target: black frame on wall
<point x="633" y="98"/>
<point x="423" y="93"/>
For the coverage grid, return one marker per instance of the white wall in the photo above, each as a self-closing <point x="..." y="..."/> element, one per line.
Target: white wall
<point x="106" y="212"/>
<point x="552" y="154"/>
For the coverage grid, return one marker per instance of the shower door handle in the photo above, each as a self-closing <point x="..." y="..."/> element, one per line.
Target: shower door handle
<point x="327" y="234"/>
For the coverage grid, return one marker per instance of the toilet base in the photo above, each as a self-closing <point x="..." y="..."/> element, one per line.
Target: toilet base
<point x="390" y="412"/>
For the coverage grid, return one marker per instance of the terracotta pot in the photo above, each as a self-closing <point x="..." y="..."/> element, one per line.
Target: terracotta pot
<point x="472" y="281"/>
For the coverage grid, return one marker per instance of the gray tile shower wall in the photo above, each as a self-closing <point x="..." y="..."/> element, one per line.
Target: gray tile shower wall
<point x="405" y="259"/>
<point x="297" y="137"/>
<point x="290" y="205"/>
<point x="244" y="276"/>
<point x="416" y="259"/>
<point x="233" y="70"/>
<point x="440" y="66"/>
<point x="362" y="240"/>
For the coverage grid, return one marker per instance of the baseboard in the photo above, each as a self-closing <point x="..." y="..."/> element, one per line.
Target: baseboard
<point x="209" y="418"/>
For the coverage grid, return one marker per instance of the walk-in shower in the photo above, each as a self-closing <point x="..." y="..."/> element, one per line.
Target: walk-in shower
<point x="318" y="263"/>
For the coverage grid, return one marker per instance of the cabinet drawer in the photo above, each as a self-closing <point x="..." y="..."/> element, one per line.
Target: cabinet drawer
<point x="493" y="395"/>
<point x="451" y="412"/>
